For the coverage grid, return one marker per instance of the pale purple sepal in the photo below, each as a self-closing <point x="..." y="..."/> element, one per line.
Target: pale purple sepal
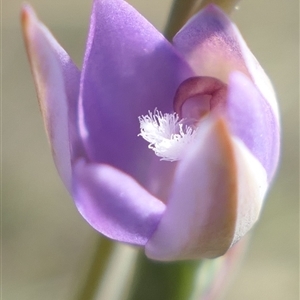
<point x="129" y="68"/>
<point x="252" y="184"/>
<point x="209" y="43"/>
<point x="57" y="83"/>
<point x="213" y="46"/>
<point x="114" y="203"/>
<point x="200" y="216"/>
<point x="252" y="120"/>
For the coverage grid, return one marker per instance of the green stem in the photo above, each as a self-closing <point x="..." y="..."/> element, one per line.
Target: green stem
<point x="111" y="271"/>
<point x="117" y="280"/>
<point x="182" y="10"/>
<point x="163" y="281"/>
<point x="205" y="279"/>
<point x="227" y="5"/>
<point x="97" y="269"/>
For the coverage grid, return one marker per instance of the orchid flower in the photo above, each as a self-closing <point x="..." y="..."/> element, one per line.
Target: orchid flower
<point x="168" y="146"/>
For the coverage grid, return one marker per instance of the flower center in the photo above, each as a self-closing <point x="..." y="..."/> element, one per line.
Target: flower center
<point x="170" y="134"/>
<point x="167" y="135"/>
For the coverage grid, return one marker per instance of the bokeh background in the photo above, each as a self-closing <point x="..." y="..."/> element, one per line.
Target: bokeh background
<point x="46" y="243"/>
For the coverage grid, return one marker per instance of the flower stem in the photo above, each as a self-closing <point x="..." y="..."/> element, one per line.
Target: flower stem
<point x="117" y="279"/>
<point x="111" y="271"/>
<point x="227" y="5"/>
<point x="120" y="272"/>
<point x="205" y="279"/>
<point x="182" y="10"/>
<point x="163" y="281"/>
<point x="97" y="269"/>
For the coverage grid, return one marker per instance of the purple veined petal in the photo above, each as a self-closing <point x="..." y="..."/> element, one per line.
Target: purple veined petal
<point x="114" y="203"/>
<point x="129" y="68"/>
<point x="253" y="121"/>
<point x="209" y="44"/>
<point x="57" y="83"/>
<point x="257" y="74"/>
<point x="213" y="46"/>
<point x="201" y="213"/>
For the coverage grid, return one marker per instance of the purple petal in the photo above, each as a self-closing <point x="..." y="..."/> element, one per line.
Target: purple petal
<point x="252" y="120"/>
<point x="209" y="44"/>
<point x="129" y="68"/>
<point x="213" y="46"/>
<point x="114" y="203"/>
<point x="201" y="213"/>
<point x="57" y="82"/>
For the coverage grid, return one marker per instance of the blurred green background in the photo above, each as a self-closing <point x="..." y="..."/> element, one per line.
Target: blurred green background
<point x="46" y="243"/>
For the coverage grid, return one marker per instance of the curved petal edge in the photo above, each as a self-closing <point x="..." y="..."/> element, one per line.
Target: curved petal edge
<point x="57" y="84"/>
<point x="114" y="203"/>
<point x="200" y="216"/>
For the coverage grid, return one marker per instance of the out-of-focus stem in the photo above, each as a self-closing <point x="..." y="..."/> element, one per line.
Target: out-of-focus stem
<point x="182" y="10"/>
<point x="117" y="280"/>
<point x="97" y="269"/>
<point x="111" y="271"/>
<point x="227" y="5"/>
